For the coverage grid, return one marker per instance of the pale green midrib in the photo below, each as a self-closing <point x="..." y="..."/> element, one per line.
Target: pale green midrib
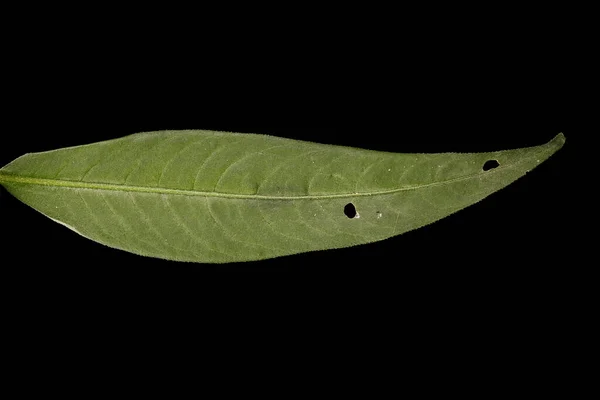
<point x="4" y="177"/>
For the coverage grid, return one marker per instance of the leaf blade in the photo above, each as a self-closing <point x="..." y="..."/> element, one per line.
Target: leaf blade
<point x="248" y="197"/>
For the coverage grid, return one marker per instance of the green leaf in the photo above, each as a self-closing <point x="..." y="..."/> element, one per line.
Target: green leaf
<point x="216" y="197"/>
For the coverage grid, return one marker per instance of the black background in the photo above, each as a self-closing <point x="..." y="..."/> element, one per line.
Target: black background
<point x="507" y="270"/>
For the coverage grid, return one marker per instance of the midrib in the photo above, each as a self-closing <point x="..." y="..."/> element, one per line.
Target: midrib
<point x="166" y="191"/>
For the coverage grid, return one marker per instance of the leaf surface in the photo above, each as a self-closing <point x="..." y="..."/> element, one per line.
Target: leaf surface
<point x="218" y="197"/>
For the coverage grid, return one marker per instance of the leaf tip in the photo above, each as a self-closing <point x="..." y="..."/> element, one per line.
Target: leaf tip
<point x="558" y="141"/>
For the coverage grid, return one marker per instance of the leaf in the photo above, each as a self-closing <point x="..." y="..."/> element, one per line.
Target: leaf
<point x="216" y="197"/>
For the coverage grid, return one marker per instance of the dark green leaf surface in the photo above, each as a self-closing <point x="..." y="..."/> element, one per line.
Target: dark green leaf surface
<point x="219" y="197"/>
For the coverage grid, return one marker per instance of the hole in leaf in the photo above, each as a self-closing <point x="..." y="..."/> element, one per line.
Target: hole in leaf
<point x="350" y="210"/>
<point x="491" y="164"/>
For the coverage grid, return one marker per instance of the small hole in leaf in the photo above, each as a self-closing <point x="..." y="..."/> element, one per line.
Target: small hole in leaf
<point x="491" y="164"/>
<point x="350" y="210"/>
